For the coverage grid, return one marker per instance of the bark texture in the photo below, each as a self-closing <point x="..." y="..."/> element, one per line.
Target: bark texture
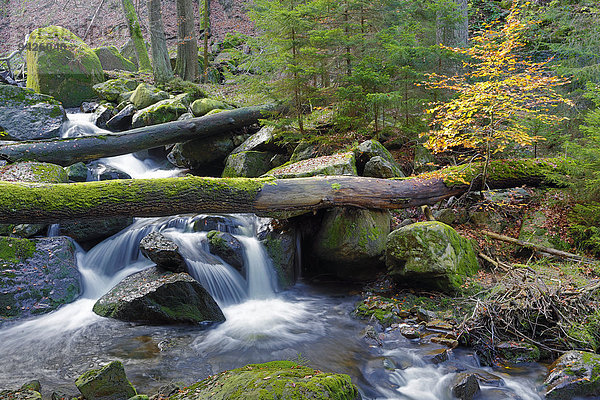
<point x="160" y="55"/>
<point x="136" y="35"/>
<point x="186" y="65"/>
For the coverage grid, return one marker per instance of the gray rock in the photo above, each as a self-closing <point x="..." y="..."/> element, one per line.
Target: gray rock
<point x="129" y="53"/>
<point x="465" y="386"/>
<point x="156" y="296"/>
<point x="196" y="154"/>
<point x="32" y="171"/>
<point x="425" y="315"/>
<point x="106" y="383"/>
<point x="111" y="59"/>
<point x="34" y="385"/>
<point x="263" y="140"/>
<point x="93" y="230"/>
<point x="145" y="95"/>
<point x="111" y="89"/>
<point x="370" y="149"/>
<point x="247" y="164"/>
<point x="377" y="167"/>
<point x="28" y="230"/>
<point x="335" y="164"/>
<point x="122" y="121"/>
<point x="437" y="356"/>
<point x="574" y="374"/>
<point x="226" y="246"/>
<point x="77" y="172"/>
<point x="163" y="111"/>
<point x="219" y="223"/>
<point x="163" y="252"/>
<point x="20" y="395"/>
<point x="103" y="172"/>
<point x="88" y="107"/>
<point x="518" y="352"/>
<point x="280" y="244"/>
<point x="26" y="115"/>
<point x="304" y="151"/>
<point x="102" y="115"/>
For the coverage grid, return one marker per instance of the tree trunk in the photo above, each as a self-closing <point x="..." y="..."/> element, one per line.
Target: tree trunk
<point x="187" y="46"/>
<point x="452" y="25"/>
<point x="136" y="35"/>
<point x="160" y="54"/>
<point x="69" y="151"/>
<point x="206" y="27"/>
<point x="22" y="202"/>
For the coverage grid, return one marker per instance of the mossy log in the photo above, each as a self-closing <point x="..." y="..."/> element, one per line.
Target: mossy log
<point x="70" y="151"/>
<point x="22" y="202"/>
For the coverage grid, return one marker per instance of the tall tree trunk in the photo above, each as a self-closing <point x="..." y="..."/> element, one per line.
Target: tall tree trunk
<point x="136" y="35"/>
<point x="206" y="27"/>
<point x="160" y="54"/>
<point x="452" y="26"/>
<point x="187" y="45"/>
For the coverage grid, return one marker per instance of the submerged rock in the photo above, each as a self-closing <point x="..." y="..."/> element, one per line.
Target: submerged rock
<point x="106" y="383"/>
<point x="432" y="254"/>
<point x="60" y="64"/>
<point x="226" y="246"/>
<point x="163" y="252"/>
<point x="26" y="115"/>
<point x="156" y="296"/>
<point x="280" y="245"/>
<point x="336" y="164"/>
<point x="272" y="380"/>
<point x="574" y="374"/>
<point x="465" y="386"/>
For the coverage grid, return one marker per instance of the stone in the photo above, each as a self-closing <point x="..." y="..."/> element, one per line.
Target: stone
<point x="272" y="380"/>
<point x="111" y="89"/>
<point x="36" y="276"/>
<point x="432" y="254"/>
<point x="103" y="172"/>
<point x="226" y="246"/>
<point x="199" y="153"/>
<point x="410" y="332"/>
<point x="122" y="120"/>
<point x="263" y="140"/>
<point x="437" y="356"/>
<point x="77" y="172"/>
<point x="20" y="395"/>
<point x="102" y="115"/>
<point x="155" y="296"/>
<point x="163" y="252"/>
<point x="33" y="171"/>
<point x="351" y="242"/>
<point x="111" y="59"/>
<point x="507" y="196"/>
<point x="106" y="383"/>
<point x="163" y="111"/>
<point x="60" y="64"/>
<point x="425" y="315"/>
<point x="128" y="52"/>
<point x="34" y="385"/>
<point x="88" y="107"/>
<point x="26" y="115"/>
<point x="518" y="352"/>
<point x="465" y="386"/>
<point x="377" y="167"/>
<point x="61" y="396"/>
<point x="94" y="230"/>
<point x="444" y="341"/>
<point x="202" y="107"/>
<point x="574" y="374"/>
<point x="219" y="223"/>
<point x="280" y="245"/>
<point x="534" y="229"/>
<point x="384" y="163"/>
<point x="247" y="164"/>
<point x="304" y="151"/>
<point x="145" y="95"/>
<point x="336" y="164"/>
<point x="28" y="230"/>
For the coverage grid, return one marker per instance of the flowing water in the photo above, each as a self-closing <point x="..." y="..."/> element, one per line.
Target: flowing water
<point x="306" y="323"/>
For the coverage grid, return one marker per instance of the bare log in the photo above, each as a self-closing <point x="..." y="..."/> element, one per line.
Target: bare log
<point x="69" y="151"/>
<point x="22" y="202"/>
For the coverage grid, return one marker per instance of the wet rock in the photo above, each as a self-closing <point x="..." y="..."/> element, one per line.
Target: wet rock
<point x="77" y="172"/>
<point x="111" y="89"/>
<point x="103" y="172"/>
<point x="67" y="74"/>
<point x="27" y="230"/>
<point x="219" y="223"/>
<point x="122" y="120"/>
<point x="145" y="95"/>
<point x="275" y="379"/>
<point x="93" y="230"/>
<point x="437" y="356"/>
<point x="202" y="107"/>
<point x="432" y="254"/>
<point x="488" y="379"/>
<point x="26" y="115"/>
<point x="389" y="364"/>
<point x="36" y="276"/>
<point x="163" y="252"/>
<point x="280" y="244"/>
<point x="156" y="296"/>
<point x="102" y="115"/>
<point x="106" y="383"/>
<point x="518" y="352"/>
<point x="445" y="341"/>
<point x="410" y="332"/>
<point x="167" y="391"/>
<point x="88" y="107"/>
<point x="20" y="395"/>
<point x="111" y="59"/>
<point x="196" y="154"/>
<point x="377" y="167"/>
<point x="226" y="246"/>
<point x="425" y="315"/>
<point x="574" y="374"/>
<point x="247" y="164"/>
<point x="336" y="164"/>
<point x="61" y="396"/>
<point x="34" y="385"/>
<point x="163" y="111"/>
<point x="465" y="386"/>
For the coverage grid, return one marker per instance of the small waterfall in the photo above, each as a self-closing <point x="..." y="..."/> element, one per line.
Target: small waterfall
<point x="261" y="279"/>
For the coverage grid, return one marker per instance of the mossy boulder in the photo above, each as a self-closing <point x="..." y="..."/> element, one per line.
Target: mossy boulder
<point x="145" y="95"/>
<point x="113" y="88"/>
<point x="200" y="153"/>
<point x="423" y="160"/>
<point x="283" y="380"/>
<point x="26" y="115"/>
<point x="536" y="229"/>
<point x="226" y="246"/>
<point x="164" y="111"/>
<point x="20" y="395"/>
<point x="202" y="107"/>
<point x="106" y="383"/>
<point x="336" y="164"/>
<point x="574" y="374"/>
<point x="432" y="254"/>
<point x="60" y="64"/>
<point x="163" y="252"/>
<point x="378" y="167"/>
<point x="32" y="171"/>
<point x="263" y="140"/>
<point x="156" y="296"/>
<point x="351" y="242"/>
<point x="36" y="276"/>
<point x="280" y="245"/>
<point x="111" y="59"/>
<point x="304" y="150"/>
<point x="378" y="159"/>
<point x="247" y="164"/>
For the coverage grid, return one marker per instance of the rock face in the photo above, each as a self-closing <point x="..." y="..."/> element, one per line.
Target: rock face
<point x="106" y="383"/>
<point x="26" y="115"/>
<point x="431" y="253"/>
<point x="204" y="106"/>
<point x="574" y="374"/>
<point x="272" y="380"/>
<point x="113" y="88"/>
<point x="163" y="252"/>
<point x="36" y="276"/>
<point x="226" y="246"/>
<point x="111" y="59"/>
<point x="156" y="296"/>
<point x="247" y="164"/>
<point x="336" y="164"/>
<point x="31" y="171"/>
<point x="351" y="242"/>
<point x="62" y="65"/>
<point x="160" y="112"/>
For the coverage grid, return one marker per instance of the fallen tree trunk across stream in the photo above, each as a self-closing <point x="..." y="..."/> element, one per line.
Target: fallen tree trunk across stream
<point x="69" y="151"/>
<point x="22" y="202"/>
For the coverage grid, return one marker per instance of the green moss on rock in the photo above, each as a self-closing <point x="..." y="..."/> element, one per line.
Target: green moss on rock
<point x="204" y="106"/>
<point x="163" y="111"/>
<point x="106" y="383"/>
<point x="113" y="89"/>
<point x="248" y="164"/>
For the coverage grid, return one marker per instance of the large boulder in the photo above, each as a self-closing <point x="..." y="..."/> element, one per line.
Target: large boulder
<point x="377" y="167"/>
<point x="113" y="88"/>
<point x="26" y="115"/>
<point x="247" y="164"/>
<point x="111" y="59"/>
<point x="226" y="246"/>
<point x="376" y="160"/>
<point x="351" y="242"/>
<point x="36" y="276"/>
<point x="122" y="120"/>
<point x="280" y="245"/>
<point x="60" y="64"/>
<point x="156" y="296"/>
<point x="32" y="171"/>
<point x="202" y="107"/>
<point x="574" y="374"/>
<point x="305" y="150"/>
<point x="163" y="111"/>
<point x="335" y="164"/>
<point x="263" y="140"/>
<point x="102" y="115"/>
<point x="145" y="95"/>
<point x="163" y="252"/>
<point x="272" y="380"/>
<point x="430" y="253"/>
<point x="199" y="153"/>
<point x="94" y="230"/>
<point x="106" y="383"/>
